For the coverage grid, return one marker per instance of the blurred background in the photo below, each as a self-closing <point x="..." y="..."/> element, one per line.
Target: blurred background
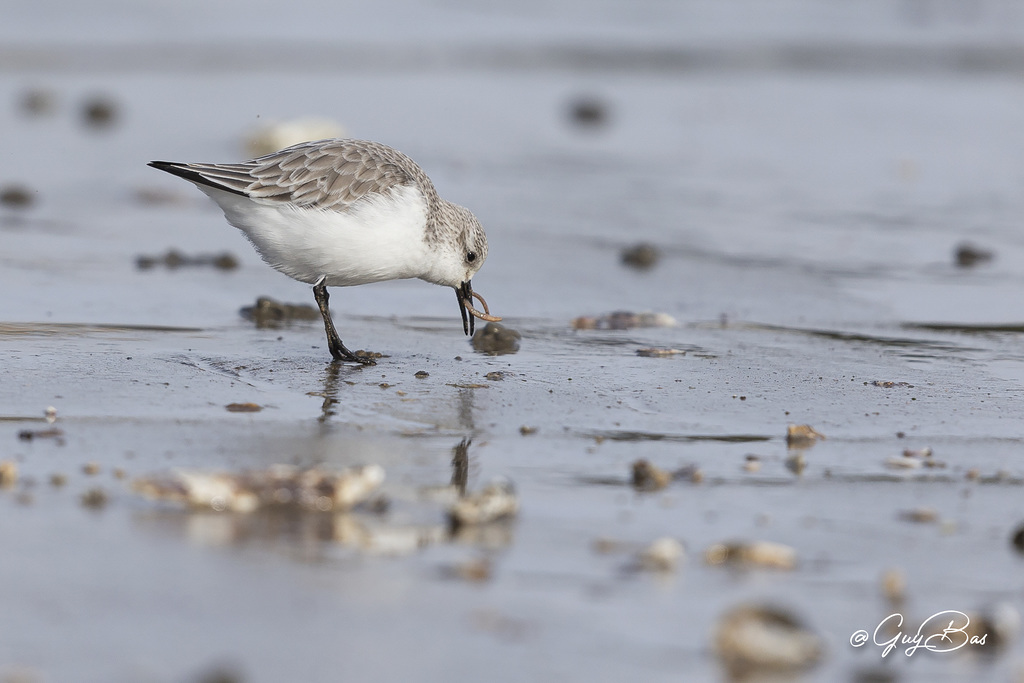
<point x="825" y="194"/>
<point x="719" y="129"/>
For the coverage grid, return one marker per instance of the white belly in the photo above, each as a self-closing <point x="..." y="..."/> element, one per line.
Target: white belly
<point x="376" y="239"/>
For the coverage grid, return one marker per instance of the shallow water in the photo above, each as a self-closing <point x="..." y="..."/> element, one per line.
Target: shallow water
<point x="806" y="173"/>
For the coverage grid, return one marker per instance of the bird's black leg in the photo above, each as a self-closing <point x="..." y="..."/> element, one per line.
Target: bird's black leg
<point x="338" y="350"/>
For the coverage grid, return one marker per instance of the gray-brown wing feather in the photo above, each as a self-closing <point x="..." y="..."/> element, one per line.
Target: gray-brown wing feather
<point x="326" y="174"/>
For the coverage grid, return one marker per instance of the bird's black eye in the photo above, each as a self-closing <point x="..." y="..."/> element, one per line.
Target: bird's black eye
<point x="471" y="256"/>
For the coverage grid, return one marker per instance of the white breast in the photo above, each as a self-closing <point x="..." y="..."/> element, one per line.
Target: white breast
<point x="378" y="238"/>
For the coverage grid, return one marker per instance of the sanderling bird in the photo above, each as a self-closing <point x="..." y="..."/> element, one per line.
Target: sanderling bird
<point x="337" y="213"/>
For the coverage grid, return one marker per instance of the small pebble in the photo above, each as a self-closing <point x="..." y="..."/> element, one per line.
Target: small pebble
<point x="1017" y="538"/>
<point x="647" y="477"/>
<point x="38" y="102"/>
<point x="894" y="585"/>
<point x="30" y="434"/>
<point x="801" y="436"/>
<point x="624" y="320"/>
<point x="999" y="624"/>
<point x="495" y="339"/>
<point x="225" y="261"/>
<point x="659" y="353"/>
<point x="99" y="112"/>
<point x="920" y="515"/>
<point x="902" y="463"/>
<point x="243" y="407"/>
<point x="755" y="554"/>
<point x="8" y="473"/>
<point x="640" y="256"/>
<point x="588" y="112"/>
<point x="663" y="555"/>
<point x="269" y="313"/>
<point x="91" y="468"/>
<point x="968" y="255"/>
<point x="475" y="570"/>
<point x="95" y="498"/>
<point x="753" y="639"/>
<point x="607" y="546"/>
<point x="16" y="196"/>
<point x="174" y="259"/>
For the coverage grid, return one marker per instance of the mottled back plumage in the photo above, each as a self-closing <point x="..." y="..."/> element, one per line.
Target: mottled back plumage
<point x="320" y="174"/>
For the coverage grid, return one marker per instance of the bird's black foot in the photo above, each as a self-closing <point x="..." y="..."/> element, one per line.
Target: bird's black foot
<point x="340" y="353"/>
<point x="338" y="350"/>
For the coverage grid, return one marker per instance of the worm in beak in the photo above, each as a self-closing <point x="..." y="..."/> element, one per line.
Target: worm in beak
<point x="466" y="295"/>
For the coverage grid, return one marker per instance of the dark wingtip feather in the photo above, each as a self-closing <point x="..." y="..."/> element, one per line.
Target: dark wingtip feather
<point x="183" y="171"/>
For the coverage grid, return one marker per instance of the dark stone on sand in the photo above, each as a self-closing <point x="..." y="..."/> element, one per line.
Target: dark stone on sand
<point x="496" y="340"/>
<point x="641" y="256"/>
<point x="968" y="255"/>
<point x="37" y="102"/>
<point x="99" y="112"/>
<point x="588" y="112"/>
<point x="1018" y="538"/>
<point x="16" y="196"/>
<point x="174" y="259"/>
<point x="270" y="313"/>
<point x="647" y="477"/>
<point x="243" y="407"/>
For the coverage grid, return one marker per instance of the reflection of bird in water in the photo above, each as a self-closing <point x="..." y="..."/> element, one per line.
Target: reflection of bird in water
<point x="330" y="392"/>
<point x="460" y="466"/>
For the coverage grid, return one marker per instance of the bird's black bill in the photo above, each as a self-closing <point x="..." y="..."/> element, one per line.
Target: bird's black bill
<point x="465" y="295"/>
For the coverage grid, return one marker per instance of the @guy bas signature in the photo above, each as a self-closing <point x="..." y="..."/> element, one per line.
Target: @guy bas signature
<point x="944" y="631"/>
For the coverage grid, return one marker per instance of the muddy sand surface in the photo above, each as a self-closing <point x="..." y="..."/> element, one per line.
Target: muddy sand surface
<point x="802" y="210"/>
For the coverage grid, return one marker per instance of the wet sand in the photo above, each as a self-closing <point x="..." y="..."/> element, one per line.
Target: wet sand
<point x="806" y="222"/>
